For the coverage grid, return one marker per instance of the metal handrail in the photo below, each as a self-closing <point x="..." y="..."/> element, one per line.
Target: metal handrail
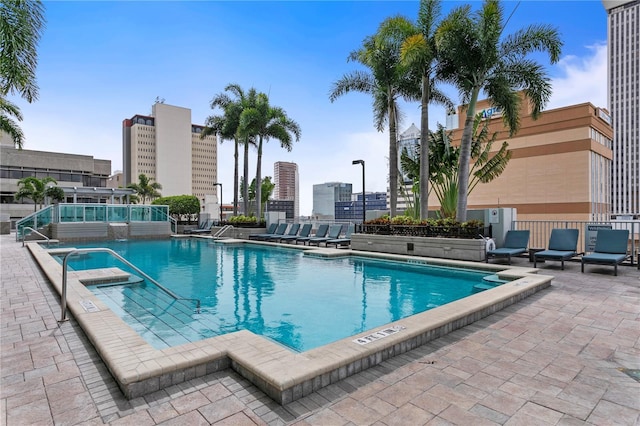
<point x="63" y="315"/>
<point x="33" y="230"/>
<point x="222" y="231"/>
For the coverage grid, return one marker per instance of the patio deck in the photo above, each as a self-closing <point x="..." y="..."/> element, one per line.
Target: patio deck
<point x="562" y="356"/>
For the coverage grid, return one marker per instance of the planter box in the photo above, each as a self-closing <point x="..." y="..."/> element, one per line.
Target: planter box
<point x="447" y="248"/>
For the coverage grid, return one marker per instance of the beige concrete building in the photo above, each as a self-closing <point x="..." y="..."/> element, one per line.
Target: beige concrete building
<point x="69" y="170"/>
<point x="286" y="182"/>
<point x="560" y="166"/>
<point x="167" y="147"/>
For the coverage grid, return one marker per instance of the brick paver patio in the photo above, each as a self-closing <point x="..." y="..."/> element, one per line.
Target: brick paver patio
<point x="563" y="356"/>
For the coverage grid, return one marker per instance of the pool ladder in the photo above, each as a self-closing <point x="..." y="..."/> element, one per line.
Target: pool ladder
<point x="222" y="231"/>
<point x="34" y="232"/>
<point x="63" y="315"/>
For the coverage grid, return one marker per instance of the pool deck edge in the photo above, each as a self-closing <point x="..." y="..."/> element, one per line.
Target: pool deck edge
<point x="282" y="374"/>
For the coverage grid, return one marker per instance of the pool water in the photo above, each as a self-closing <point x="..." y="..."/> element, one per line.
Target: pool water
<point x="299" y="301"/>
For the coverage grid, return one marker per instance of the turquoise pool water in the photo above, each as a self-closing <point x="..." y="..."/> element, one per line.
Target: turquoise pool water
<point x="300" y="301"/>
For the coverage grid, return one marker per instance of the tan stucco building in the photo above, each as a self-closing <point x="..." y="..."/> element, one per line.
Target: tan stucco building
<point x="560" y="166"/>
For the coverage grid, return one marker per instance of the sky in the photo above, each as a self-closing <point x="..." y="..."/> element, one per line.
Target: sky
<point x="102" y="62"/>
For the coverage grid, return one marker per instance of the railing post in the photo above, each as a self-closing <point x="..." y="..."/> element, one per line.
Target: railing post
<point x="63" y="302"/>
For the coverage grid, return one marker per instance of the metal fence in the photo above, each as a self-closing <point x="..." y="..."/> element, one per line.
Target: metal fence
<point x="541" y="231"/>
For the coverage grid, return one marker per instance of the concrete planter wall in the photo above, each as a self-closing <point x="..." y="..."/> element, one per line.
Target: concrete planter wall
<point x="447" y="248"/>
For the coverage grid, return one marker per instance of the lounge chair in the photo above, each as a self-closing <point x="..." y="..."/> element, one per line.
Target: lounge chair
<point x="515" y="243"/>
<point x="202" y="229"/>
<point x="334" y="233"/>
<point x="562" y="246"/>
<point x="270" y="230"/>
<point x="304" y="232"/>
<point x="611" y="248"/>
<point x="321" y="232"/>
<point x="344" y="241"/>
<point x="293" y="231"/>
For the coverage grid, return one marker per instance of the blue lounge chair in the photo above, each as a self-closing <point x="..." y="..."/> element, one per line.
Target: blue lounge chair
<point x="344" y="241"/>
<point x="270" y="230"/>
<point x="515" y="243"/>
<point x="202" y="229"/>
<point x="611" y="248"/>
<point x="334" y="233"/>
<point x="304" y="232"/>
<point x="293" y="231"/>
<point x="321" y="232"/>
<point x="562" y="246"/>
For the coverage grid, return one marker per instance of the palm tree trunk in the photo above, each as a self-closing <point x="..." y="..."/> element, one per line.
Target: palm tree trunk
<point x="465" y="157"/>
<point x="259" y="181"/>
<point x="235" y="177"/>
<point x="424" y="148"/>
<point x="393" y="158"/>
<point x="245" y="190"/>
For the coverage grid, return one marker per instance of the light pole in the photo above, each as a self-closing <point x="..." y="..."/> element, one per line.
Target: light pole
<point x="364" y="209"/>
<point x="220" y="200"/>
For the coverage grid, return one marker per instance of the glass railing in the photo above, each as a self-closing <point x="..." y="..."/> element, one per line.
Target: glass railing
<point x="67" y="213"/>
<point x="34" y="221"/>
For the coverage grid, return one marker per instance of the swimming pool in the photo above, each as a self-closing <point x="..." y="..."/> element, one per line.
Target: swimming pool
<point x="301" y="302"/>
<point x="283" y="374"/>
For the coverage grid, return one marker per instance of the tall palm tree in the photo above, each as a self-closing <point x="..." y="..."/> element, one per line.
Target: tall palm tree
<point x="419" y="51"/>
<point x="226" y="127"/>
<point x="386" y="80"/>
<point x="33" y="188"/>
<point x="265" y="122"/>
<point x="474" y="56"/>
<point x="145" y="188"/>
<point x="21" y="24"/>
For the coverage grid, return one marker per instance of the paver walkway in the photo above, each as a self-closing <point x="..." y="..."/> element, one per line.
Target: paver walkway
<point x="563" y="356"/>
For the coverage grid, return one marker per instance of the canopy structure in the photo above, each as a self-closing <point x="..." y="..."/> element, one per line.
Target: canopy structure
<point x="98" y="193"/>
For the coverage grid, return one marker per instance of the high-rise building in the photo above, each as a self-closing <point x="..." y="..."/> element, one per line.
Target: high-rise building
<point x="167" y="148"/>
<point x="623" y="65"/>
<point x="325" y="196"/>
<point x="286" y="181"/>
<point x="409" y="140"/>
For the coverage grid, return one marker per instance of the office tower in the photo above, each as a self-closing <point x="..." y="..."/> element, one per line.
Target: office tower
<point x="325" y="196"/>
<point x="167" y="148"/>
<point x="623" y="69"/>
<point x="409" y="140"/>
<point x="287" y="187"/>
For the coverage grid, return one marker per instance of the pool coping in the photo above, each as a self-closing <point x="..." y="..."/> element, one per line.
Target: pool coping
<point x="282" y="374"/>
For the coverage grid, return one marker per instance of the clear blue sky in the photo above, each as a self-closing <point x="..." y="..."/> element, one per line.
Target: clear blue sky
<point x="102" y="62"/>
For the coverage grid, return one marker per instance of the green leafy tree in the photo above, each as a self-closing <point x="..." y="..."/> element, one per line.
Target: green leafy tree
<point x="474" y="56"/>
<point x="21" y="24"/>
<point x="181" y="207"/>
<point x="34" y="189"/>
<point x="145" y="188"/>
<point x="54" y="193"/>
<point x="264" y="122"/>
<point x="418" y="52"/>
<point x="267" y="188"/>
<point x="387" y="80"/>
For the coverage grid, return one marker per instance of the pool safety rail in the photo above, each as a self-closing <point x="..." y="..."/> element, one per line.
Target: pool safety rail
<point x="47" y="239"/>
<point x="63" y="315"/>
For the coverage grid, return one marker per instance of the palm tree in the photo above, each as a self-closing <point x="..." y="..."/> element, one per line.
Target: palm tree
<point x="265" y="122"/>
<point x="387" y="80"/>
<point x="33" y="188"/>
<point x="473" y="57"/>
<point x="226" y="126"/>
<point x="145" y="188"/>
<point x="419" y="51"/>
<point x="21" y="24"/>
<point x="444" y="159"/>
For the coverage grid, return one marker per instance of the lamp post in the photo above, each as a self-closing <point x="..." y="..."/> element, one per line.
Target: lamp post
<point x="216" y="183"/>
<point x="364" y="209"/>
